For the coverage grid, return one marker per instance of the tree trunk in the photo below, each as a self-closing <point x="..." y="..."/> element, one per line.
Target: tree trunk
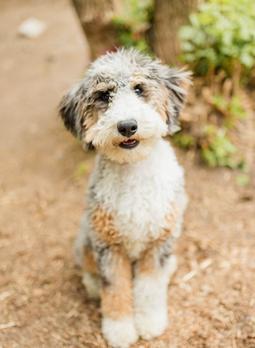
<point x="169" y="15"/>
<point x="96" y="20"/>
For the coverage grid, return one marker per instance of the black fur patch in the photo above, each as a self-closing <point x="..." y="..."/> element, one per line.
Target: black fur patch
<point x="165" y="252"/>
<point x="68" y="111"/>
<point x="71" y="109"/>
<point x="105" y="282"/>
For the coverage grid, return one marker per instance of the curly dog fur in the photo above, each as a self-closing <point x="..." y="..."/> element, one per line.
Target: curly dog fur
<point x="124" y="107"/>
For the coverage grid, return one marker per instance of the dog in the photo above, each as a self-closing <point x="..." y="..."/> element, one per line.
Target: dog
<point x="124" y="107"/>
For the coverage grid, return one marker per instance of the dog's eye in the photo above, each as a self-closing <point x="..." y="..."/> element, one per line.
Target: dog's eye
<point x="104" y="96"/>
<point x="138" y="90"/>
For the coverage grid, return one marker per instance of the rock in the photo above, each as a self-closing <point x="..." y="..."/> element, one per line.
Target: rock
<point x="31" y="28"/>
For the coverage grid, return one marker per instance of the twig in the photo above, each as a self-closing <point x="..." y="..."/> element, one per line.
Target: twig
<point x="7" y="325"/>
<point x="4" y="295"/>
<point x="202" y="266"/>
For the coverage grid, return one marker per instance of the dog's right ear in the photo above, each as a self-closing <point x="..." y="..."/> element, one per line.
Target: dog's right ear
<point x="176" y="83"/>
<point x="70" y="109"/>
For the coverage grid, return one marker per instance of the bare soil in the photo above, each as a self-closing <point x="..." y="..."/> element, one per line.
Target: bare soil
<point x="43" y="177"/>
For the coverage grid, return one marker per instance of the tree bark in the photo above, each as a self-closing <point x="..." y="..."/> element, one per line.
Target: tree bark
<point x="169" y="16"/>
<point x="96" y="20"/>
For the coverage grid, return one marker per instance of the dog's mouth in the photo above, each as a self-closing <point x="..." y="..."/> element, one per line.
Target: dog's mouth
<point x="129" y="144"/>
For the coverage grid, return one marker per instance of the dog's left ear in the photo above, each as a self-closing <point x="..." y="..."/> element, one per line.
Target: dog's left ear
<point x="71" y="109"/>
<point x="177" y="82"/>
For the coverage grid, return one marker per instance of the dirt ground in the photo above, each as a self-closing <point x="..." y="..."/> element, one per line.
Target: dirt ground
<point x="43" y="175"/>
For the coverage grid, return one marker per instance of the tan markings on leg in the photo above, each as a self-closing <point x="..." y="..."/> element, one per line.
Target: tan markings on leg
<point x="116" y="296"/>
<point x="171" y="220"/>
<point x="103" y="225"/>
<point x="147" y="263"/>
<point x="89" y="262"/>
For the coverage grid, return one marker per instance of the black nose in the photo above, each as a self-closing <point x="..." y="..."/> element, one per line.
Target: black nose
<point x="127" y="127"/>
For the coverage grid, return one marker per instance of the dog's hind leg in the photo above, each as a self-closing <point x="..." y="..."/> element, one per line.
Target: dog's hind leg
<point x="84" y="258"/>
<point x="81" y="241"/>
<point x="90" y="277"/>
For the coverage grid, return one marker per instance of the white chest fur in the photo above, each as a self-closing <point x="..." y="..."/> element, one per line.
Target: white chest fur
<point x="139" y="196"/>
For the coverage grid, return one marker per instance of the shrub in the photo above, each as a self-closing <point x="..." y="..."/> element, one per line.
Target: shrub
<point x="221" y="35"/>
<point x="217" y="150"/>
<point x="211" y="137"/>
<point x="219" y="44"/>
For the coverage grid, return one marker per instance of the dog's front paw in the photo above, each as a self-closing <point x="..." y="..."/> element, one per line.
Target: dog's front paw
<point x="150" y="324"/>
<point x="119" y="333"/>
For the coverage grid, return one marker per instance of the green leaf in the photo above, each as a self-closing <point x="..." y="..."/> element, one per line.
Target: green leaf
<point x="221" y="32"/>
<point x="242" y="180"/>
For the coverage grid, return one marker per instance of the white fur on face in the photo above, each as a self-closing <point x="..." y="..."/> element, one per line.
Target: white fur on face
<point x="83" y="109"/>
<point x="126" y="105"/>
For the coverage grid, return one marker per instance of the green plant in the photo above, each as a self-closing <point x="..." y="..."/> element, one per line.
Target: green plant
<point x="211" y="137"/>
<point x="82" y="169"/>
<point x="184" y="140"/>
<point x="133" y="23"/>
<point x="217" y="150"/>
<point x="243" y="179"/>
<point x="231" y="109"/>
<point x="219" y="44"/>
<point x="221" y="35"/>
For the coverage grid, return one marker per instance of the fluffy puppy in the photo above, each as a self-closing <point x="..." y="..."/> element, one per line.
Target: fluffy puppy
<point x="124" y="107"/>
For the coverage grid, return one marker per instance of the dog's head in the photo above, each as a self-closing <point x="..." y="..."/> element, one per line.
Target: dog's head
<point x="125" y="103"/>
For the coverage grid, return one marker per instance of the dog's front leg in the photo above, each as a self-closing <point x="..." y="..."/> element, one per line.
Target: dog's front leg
<point x="116" y="275"/>
<point x="152" y="275"/>
<point x="116" y="297"/>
